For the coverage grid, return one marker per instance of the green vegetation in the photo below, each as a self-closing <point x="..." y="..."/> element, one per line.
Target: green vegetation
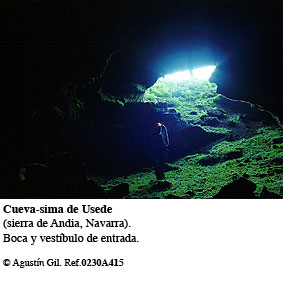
<point x="190" y="98"/>
<point x="191" y="179"/>
<point x="255" y="153"/>
<point x="132" y="93"/>
<point x="203" y="175"/>
<point x="187" y="97"/>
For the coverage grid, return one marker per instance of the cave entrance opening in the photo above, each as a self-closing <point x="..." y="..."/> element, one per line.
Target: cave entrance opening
<point x="202" y="73"/>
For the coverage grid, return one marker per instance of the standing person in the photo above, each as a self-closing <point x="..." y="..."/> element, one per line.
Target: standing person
<point x="160" y="148"/>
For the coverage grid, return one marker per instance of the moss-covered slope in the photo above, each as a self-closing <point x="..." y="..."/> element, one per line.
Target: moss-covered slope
<point x="252" y="146"/>
<point x="202" y="175"/>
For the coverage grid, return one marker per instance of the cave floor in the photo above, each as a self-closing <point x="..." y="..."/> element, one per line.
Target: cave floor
<point x="202" y="175"/>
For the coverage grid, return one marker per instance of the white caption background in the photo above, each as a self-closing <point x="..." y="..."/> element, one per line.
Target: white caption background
<point x="181" y="242"/>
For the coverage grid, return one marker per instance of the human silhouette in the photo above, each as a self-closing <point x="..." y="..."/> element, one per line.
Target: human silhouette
<point x="160" y="142"/>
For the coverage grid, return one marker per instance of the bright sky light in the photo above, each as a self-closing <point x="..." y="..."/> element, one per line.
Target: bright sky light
<point x="203" y="73"/>
<point x="184" y="75"/>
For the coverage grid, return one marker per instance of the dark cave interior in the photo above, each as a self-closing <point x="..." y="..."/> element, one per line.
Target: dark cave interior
<point x="66" y="55"/>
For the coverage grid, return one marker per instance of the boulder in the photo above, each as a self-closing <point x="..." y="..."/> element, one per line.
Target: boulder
<point x="161" y="186"/>
<point x="94" y="190"/>
<point x="119" y="192"/>
<point x="238" y="189"/>
<point x="209" y="120"/>
<point x="265" y="194"/>
<point x="209" y="161"/>
<point x="233" y="155"/>
<point x="218" y="113"/>
<point x="278" y="140"/>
